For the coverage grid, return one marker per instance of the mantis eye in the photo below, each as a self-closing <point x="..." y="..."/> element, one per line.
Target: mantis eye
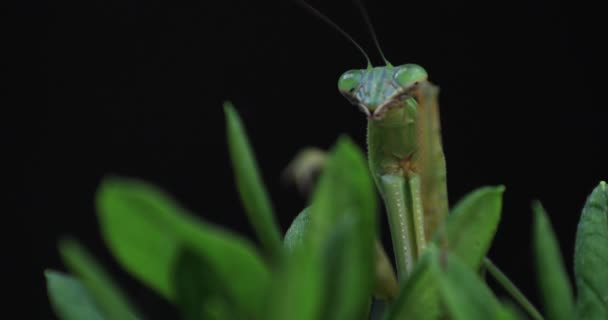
<point x="408" y="75"/>
<point x="349" y="81"/>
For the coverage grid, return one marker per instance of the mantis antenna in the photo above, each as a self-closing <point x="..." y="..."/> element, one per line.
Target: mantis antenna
<point x="370" y="26"/>
<point x="334" y="25"/>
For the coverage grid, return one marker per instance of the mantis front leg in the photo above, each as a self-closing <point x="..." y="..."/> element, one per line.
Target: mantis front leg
<point x="407" y="162"/>
<point x="401" y="194"/>
<point x="404" y="151"/>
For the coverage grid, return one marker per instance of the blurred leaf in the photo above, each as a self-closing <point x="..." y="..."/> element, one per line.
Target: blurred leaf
<point x="296" y="291"/>
<point x="200" y="295"/>
<point x="591" y="256"/>
<point x="70" y="299"/>
<point x="294" y="237"/>
<point x="419" y="296"/>
<point x="386" y="286"/>
<point x="111" y="301"/>
<point x="510" y="312"/>
<point x="145" y="230"/>
<point x="304" y="169"/>
<point x="251" y="188"/>
<point x="555" y="289"/>
<point x="464" y="294"/>
<point x="330" y="276"/>
<point x="470" y="228"/>
<point x="343" y="223"/>
<point x="511" y="289"/>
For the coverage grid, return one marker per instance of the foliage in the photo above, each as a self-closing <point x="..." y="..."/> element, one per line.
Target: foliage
<point x="329" y="265"/>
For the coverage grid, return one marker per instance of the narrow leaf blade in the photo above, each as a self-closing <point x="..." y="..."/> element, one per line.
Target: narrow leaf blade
<point x="464" y="294"/>
<point x="253" y="193"/>
<point x="555" y="289"/>
<point x="110" y="299"/>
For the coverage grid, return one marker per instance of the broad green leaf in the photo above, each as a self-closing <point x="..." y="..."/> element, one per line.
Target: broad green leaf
<point x="200" y="295"/>
<point x="69" y="298"/>
<point x="419" y="296"/>
<point x="464" y="294"/>
<point x="251" y="188"/>
<point x="110" y="299"/>
<point x="470" y="228"/>
<point x="145" y="230"/>
<point x="591" y="257"/>
<point x="330" y="276"/>
<point x="556" y="293"/>
<point x="294" y="237"/>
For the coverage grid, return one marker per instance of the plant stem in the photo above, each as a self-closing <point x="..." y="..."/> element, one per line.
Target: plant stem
<point x="510" y="287"/>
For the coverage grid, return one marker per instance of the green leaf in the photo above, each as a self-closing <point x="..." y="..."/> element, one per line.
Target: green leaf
<point x="330" y="275"/>
<point x="294" y="237"/>
<point x="69" y="298"/>
<point x="591" y="256"/>
<point x="386" y="286"/>
<point x="297" y="288"/>
<point x="464" y="294"/>
<point x="511" y="289"/>
<point x="343" y="223"/>
<point x="419" y="296"/>
<point x="254" y="197"/>
<point x="110" y="299"/>
<point x="200" y="295"/>
<point x="145" y="230"/>
<point x="556" y="293"/>
<point x="470" y="228"/>
<point x="509" y="312"/>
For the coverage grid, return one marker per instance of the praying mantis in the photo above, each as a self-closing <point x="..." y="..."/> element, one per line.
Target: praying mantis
<point x="406" y="160"/>
<point x="405" y="154"/>
<point x="404" y="151"/>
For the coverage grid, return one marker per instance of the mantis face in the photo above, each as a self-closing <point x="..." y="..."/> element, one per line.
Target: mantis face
<point x="376" y="90"/>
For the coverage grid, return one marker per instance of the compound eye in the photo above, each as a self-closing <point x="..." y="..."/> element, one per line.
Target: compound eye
<point x="408" y="75"/>
<point x="349" y="81"/>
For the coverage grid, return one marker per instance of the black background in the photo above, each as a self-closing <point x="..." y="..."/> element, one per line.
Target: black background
<point x="134" y="88"/>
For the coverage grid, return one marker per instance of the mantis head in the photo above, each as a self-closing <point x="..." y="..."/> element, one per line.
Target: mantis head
<point x="376" y="90"/>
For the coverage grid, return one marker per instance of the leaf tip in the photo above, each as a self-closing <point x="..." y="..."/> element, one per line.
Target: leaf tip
<point x="537" y="207"/>
<point x="49" y="274"/>
<point x="500" y="188"/>
<point x="229" y="109"/>
<point x="107" y="186"/>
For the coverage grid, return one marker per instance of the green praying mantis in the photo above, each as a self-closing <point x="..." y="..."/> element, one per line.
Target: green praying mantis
<point x="405" y="154"/>
<point x="406" y="159"/>
<point x="404" y="146"/>
<point x="404" y="151"/>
